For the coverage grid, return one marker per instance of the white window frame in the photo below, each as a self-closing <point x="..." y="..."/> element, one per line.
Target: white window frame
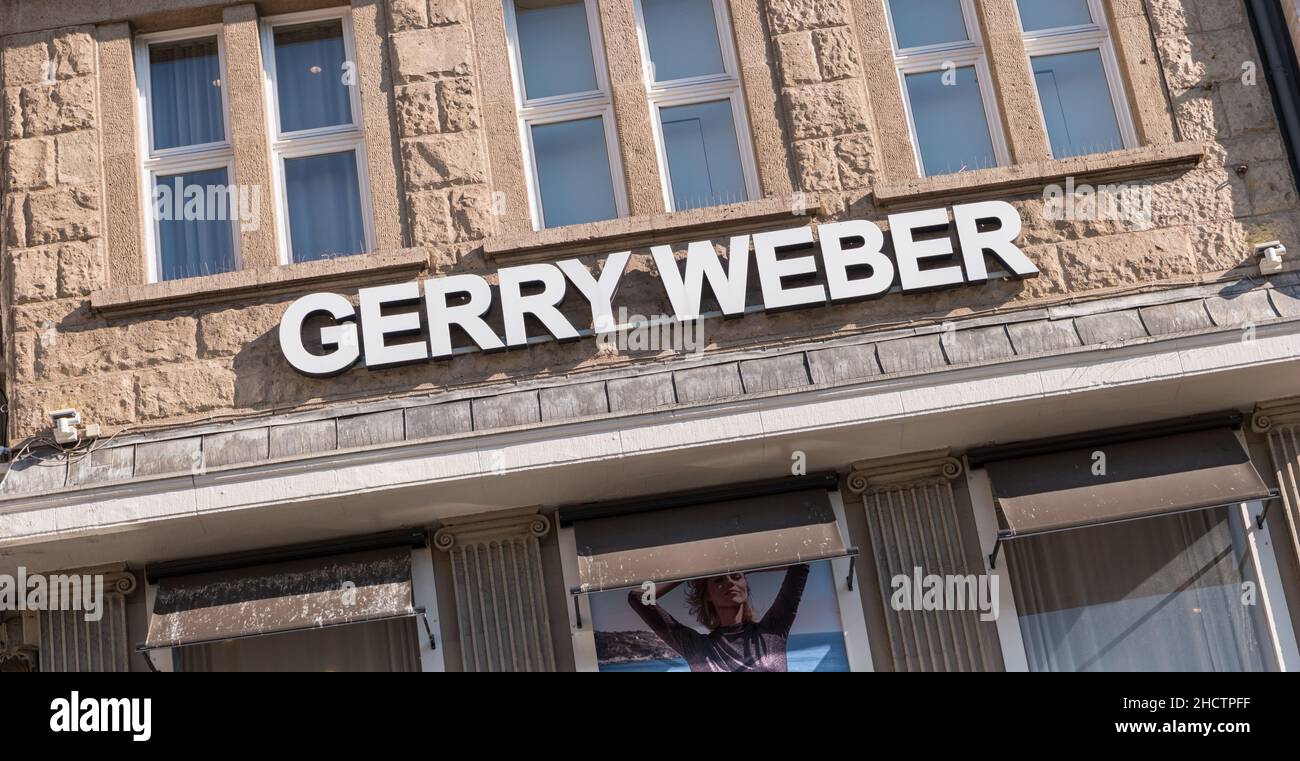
<point x="1082" y="38"/>
<point x="853" y="621"/>
<point x="930" y="58"/>
<point x="182" y="159"/>
<point x="564" y="108"/>
<point x="318" y="140"/>
<point x="707" y="88"/>
<point x="1260" y="555"/>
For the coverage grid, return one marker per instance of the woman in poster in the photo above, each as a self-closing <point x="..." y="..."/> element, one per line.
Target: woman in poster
<point x="736" y="640"/>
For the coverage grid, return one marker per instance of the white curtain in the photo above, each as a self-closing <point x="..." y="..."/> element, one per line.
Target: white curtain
<point x="1160" y="594"/>
<point x="376" y="646"/>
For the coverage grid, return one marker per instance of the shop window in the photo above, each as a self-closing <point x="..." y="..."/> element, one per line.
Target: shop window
<point x="566" y="114"/>
<point x="1162" y="594"/>
<point x="355" y="611"/>
<point x="946" y="86"/>
<point x="188" y="163"/>
<point x="317" y="144"/>
<point x="1133" y="554"/>
<point x="1077" y="76"/>
<point x="695" y="99"/>
<point x="379" y="646"/>
<point x="745" y="579"/>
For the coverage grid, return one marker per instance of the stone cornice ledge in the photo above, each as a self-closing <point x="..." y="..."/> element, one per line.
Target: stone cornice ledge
<point x="631" y="232"/>
<point x="1132" y="164"/>
<point x="244" y="284"/>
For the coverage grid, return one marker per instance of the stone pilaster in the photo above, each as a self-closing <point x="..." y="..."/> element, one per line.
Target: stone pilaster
<point x="912" y="515"/>
<point x="500" y="590"/>
<point x="69" y="642"/>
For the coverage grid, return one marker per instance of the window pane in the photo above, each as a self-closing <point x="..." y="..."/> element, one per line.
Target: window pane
<point x="1076" y="102"/>
<point x="683" y="38"/>
<point x="950" y="124"/>
<point x="927" y="22"/>
<point x="573" y="172"/>
<point x="1158" y="594"/>
<point x="185" y="90"/>
<point x="703" y="156"/>
<point x="194" y="212"/>
<point x="309" y="76"/>
<point x="555" y="46"/>
<point x="1051" y="14"/>
<point x="324" y="206"/>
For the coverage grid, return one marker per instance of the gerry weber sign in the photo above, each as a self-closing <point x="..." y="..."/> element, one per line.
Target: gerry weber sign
<point x="853" y="266"/>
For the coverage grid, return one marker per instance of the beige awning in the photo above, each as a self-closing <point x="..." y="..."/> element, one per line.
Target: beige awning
<point x="281" y="597"/>
<point x="701" y="540"/>
<point x="1123" y="481"/>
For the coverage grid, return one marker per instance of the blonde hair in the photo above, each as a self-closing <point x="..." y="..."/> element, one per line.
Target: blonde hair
<point x="697" y="599"/>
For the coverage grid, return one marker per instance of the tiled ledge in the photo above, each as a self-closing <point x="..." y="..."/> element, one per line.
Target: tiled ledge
<point x="1117" y="165"/>
<point x="630" y="232"/>
<point x="914" y="352"/>
<point x="233" y="286"/>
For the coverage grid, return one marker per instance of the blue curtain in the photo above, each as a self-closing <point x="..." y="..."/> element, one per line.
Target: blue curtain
<point x="309" y="73"/>
<point x="324" y="202"/>
<point x="202" y="244"/>
<point x="185" y="80"/>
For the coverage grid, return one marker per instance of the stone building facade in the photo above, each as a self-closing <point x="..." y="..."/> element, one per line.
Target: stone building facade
<point x="211" y="445"/>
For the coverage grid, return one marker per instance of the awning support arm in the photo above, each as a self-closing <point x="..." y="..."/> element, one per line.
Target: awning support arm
<point x="993" y="556"/>
<point x="853" y="561"/>
<point x="1268" y="504"/>
<point x="433" y="644"/>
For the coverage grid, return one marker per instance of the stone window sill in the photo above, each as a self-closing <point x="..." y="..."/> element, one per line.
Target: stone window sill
<point x="234" y="286"/>
<point x="632" y="232"/>
<point x="1132" y="164"/>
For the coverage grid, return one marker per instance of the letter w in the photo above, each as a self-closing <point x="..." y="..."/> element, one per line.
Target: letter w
<point x="702" y="263"/>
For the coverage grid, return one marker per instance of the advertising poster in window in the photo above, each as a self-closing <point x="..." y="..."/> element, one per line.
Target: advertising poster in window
<point x="782" y="619"/>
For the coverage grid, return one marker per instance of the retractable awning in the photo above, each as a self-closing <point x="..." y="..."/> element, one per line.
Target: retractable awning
<point x="700" y="539"/>
<point x="281" y="597"/>
<point x="1125" y="480"/>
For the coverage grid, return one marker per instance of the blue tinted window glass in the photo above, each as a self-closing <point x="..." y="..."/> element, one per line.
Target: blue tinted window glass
<point x="185" y="93"/>
<point x="1036" y="15"/>
<point x="309" y="76"/>
<point x="324" y="206"/>
<point x="950" y="125"/>
<point x="1076" y="102"/>
<point x="195" y="216"/>
<point x="683" y="38"/>
<point x="703" y="156"/>
<point x="927" y="22"/>
<point x="573" y="172"/>
<point x="555" y="46"/>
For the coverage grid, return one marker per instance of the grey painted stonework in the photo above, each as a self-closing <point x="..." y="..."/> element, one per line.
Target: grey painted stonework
<point x="860" y="360"/>
<point x="173" y="456"/>
<point x="234" y="447"/>
<point x="774" y="373"/>
<point x="507" y="410"/>
<point x="1109" y="328"/>
<point x="641" y="392"/>
<point x="433" y="420"/>
<point x="1251" y="306"/>
<point x="372" y="429"/>
<point x="911" y="354"/>
<point x="1286" y="300"/>
<point x="576" y="401"/>
<point x="843" y="364"/>
<point x="976" y="345"/>
<point x="1182" y="317"/>
<point x="1043" y="336"/>
<point x="304" y="438"/>
<point x="704" y="383"/>
<point x="102" y="466"/>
